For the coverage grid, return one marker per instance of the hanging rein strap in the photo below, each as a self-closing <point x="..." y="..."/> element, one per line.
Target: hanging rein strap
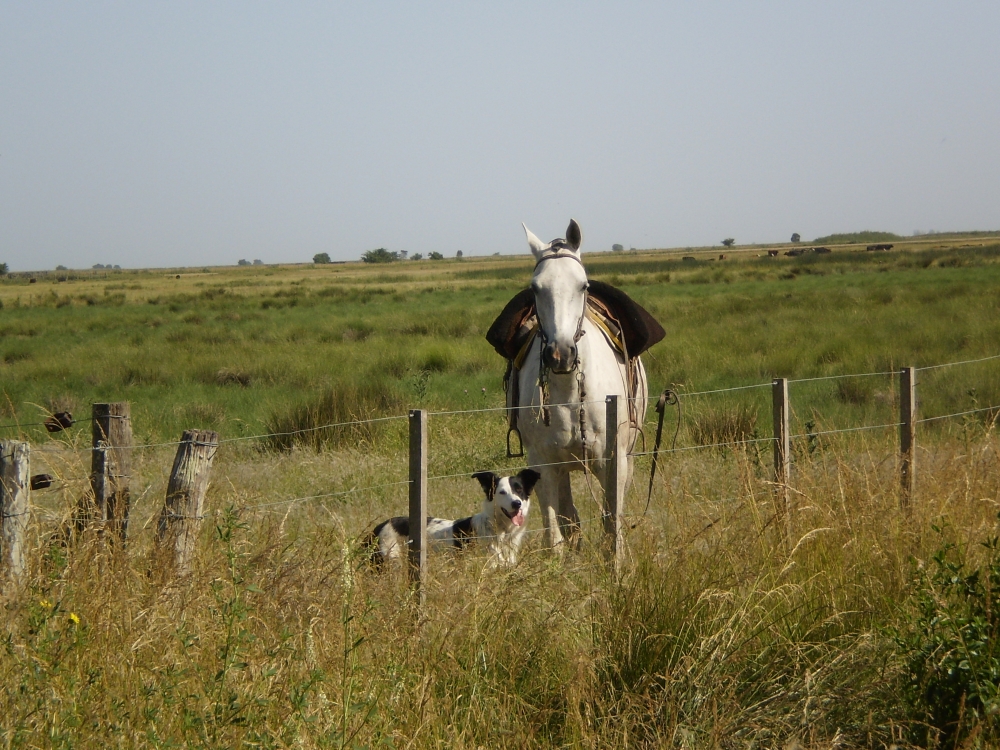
<point x="667" y="398"/>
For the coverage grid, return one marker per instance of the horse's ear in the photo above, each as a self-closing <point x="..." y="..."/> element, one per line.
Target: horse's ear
<point x="573" y="235"/>
<point x="537" y="248"/>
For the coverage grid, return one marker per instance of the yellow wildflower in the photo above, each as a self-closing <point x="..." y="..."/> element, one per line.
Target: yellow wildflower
<point x="74" y="618"/>
<point x="45" y="604"/>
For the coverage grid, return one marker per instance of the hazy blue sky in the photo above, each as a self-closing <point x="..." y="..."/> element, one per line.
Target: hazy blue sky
<point x="155" y="134"/>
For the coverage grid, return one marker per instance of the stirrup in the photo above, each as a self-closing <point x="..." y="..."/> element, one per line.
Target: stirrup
<point x="520" y="443"/>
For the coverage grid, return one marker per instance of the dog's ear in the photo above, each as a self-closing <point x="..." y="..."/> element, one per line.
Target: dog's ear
<point x="489" y="482"/>
<point x="528" y="479"/>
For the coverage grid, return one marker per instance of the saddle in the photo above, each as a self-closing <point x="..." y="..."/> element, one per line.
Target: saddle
<point x="636" y="329"/>
<point x="628" y="327"/>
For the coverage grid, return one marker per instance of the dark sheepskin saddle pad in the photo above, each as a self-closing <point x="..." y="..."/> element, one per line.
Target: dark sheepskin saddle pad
<point x="639" y="329"/>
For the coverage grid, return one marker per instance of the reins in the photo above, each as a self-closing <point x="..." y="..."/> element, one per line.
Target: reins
<point x="543" y="371"/>
<point x="667" y="398"/>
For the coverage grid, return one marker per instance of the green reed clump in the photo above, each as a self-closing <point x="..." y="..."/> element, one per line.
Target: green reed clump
<point x="724" y="425"/>
<point x="337" y="417"/>
<point x="950" y="644"/>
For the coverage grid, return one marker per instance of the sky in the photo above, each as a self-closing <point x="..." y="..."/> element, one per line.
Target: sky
<point x="198" y="133"/>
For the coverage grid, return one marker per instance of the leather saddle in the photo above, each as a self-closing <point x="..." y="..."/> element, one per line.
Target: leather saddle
<point x="636" y="328"/>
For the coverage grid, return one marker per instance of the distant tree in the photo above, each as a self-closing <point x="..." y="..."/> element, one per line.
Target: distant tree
<point x="58" y="268"/>
<point x="118" y="268"/>
<point x="4" y="268"/>
<point x="795" y="237"/>
<point x="402" y="254"/>
<point x="98" y="265"/>
<point x="617" y="248"/>
<point x="729" y="242"/>
<point x="243" y="262"/>
<point x="258" y="262"/>
<point x="458" y="254"/>
<point x="435" y="255"/>
<point x="416" y="256"/>
<point x="379" y="255"/>
<point x="321" y="258"/>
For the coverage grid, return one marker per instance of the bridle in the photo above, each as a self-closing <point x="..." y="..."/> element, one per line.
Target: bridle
<point x="560" y="250"/>
<point x="563" y="251"/>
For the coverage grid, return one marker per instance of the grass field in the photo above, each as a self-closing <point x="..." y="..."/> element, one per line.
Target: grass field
<point x="731" y="628"/>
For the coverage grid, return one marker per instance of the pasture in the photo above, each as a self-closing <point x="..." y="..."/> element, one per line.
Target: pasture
<point x="724" y="632"/>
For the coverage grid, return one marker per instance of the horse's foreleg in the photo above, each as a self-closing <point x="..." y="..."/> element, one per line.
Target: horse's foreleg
<point x="569" y="519"/>
<point x="547" y="492"/>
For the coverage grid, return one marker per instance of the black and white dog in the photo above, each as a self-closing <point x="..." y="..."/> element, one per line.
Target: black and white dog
<point x="499" y="526"/>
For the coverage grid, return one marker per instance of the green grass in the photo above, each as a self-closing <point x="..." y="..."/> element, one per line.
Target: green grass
<point x="233" y="350"/>
<point x="734" y="624"/>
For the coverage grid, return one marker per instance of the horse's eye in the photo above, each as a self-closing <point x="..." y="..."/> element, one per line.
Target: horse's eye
<point x="586" y="285"/>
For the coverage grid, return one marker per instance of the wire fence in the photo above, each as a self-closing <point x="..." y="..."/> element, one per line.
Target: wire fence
<point x="585" y="461"/>
<point x="497" y="409"/>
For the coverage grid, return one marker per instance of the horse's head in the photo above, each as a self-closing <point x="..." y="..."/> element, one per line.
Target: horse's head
<point x="560" y="287"/>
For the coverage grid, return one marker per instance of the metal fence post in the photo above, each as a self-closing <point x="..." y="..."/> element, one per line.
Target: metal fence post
<point x="782" y="448"/>
<point x="418" y="502"/>
<point x="907" y="434"/>
<point x="613" y="520"/>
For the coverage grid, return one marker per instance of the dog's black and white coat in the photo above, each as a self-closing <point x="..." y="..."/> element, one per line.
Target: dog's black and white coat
<point x="499" y="526"/>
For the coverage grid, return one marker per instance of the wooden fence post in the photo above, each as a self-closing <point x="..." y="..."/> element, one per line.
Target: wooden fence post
<point x="111" y="465"/>
<point x="613" y="512"/>
<point x="181" y="517"/>
<point x="907" y="434"/>
<point x="782" y="448"/>
<point x="15" y="473"/>
<point x="418" y="502"/>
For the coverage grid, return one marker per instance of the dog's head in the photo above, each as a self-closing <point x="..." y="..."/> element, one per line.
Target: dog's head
<point x="508" y="498"/>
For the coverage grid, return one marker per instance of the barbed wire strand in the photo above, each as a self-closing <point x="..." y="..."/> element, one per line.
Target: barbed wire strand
<point x="959" y="414"/>
<point x="701" y="447"/>
<point x="954" y="364"/>
<point x="840" y="377"/>
<point x="351" y="423"/>
<point x="308" y="498"/>
<point x="846" y="429"/>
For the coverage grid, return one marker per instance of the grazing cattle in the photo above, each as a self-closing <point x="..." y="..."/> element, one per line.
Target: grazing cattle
<point x="821" y="249"/>
<point x="722" y="257"/>
<point x="872" y="248"/>
<point x="794" y="253"/>
<point x="688" y="257"/>
<point x="772" y="253"/>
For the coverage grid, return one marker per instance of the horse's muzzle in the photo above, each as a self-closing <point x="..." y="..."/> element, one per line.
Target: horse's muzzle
<point x="559" y="359"/>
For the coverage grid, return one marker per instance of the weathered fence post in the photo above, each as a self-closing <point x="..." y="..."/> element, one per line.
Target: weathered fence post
<point x="782" y="448"/>
<point x="182" y="509"/>
<point x="907" y="434"/>
<point x="15" y="472"/>
<point x="613" y="511"/>
<point x="111" y="465"/>
<point x="418" y="501"/>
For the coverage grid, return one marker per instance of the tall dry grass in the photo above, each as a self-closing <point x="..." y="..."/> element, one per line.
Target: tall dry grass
<point x="733" y="625"/>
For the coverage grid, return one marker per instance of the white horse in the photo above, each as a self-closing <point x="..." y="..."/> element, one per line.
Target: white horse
<point x="563" y="381"/>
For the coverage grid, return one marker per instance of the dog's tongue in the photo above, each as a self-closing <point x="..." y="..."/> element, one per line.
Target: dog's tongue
<point x="518" y="518"/>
